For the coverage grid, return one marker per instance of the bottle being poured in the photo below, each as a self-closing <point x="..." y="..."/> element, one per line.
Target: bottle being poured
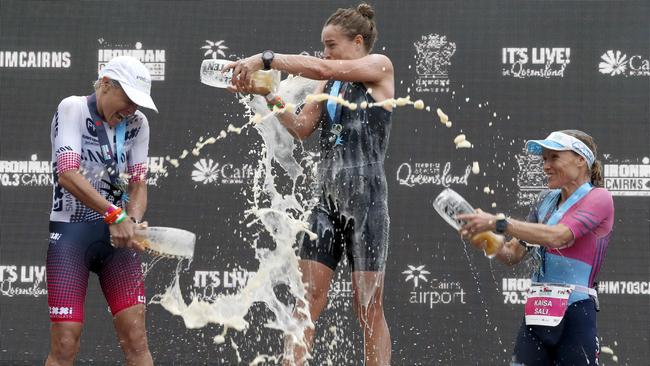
<point x="449" y="204"/>
<point x="212" y="75"/>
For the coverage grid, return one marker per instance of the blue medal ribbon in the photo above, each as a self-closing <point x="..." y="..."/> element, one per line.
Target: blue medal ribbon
<point x="547" y="205"/>
<point x="112" y="161"/>
<point x="331" y="105"/>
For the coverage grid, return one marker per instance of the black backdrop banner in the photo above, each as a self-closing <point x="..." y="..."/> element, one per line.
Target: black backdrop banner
<point x="504" y="71"/>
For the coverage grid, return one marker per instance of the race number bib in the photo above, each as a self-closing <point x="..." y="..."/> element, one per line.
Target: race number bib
<point x="546" y="304"/>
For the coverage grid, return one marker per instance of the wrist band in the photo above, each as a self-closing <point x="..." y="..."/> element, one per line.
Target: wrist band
<point x="276" y="102"/>
<point x="110" y="209"/>
<point x="121" y="218"/>
<point x="112" y="215"/>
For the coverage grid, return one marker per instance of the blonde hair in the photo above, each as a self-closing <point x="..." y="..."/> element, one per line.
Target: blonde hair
<point x="97" y="83"/>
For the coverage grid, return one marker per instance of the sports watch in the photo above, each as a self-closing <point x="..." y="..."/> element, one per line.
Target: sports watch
<point x="501" y="224"/>
<point x="267" y="58"/>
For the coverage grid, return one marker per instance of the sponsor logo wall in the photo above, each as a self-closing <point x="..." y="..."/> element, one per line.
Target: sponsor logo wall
<point x="434" y="173"/>
<point x="538" y="75"/>
<point x="35" y="172"/>
<point x="25" y="173"/>
<point x="617" y="63"/>
<point x="211" y="283"/>
<point x="433" y="57"/>
<point x="627" y="177"/>
<point x="22" y="280"/>
<point x="535" y="62"/>
<point x="35" y="59"/>
<point x="153" y="59"/>
<point x="429" y="291"/>
<point x="208" y="171"/>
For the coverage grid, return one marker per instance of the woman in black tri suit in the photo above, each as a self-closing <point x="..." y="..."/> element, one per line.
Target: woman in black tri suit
<point x="351" y="217"/>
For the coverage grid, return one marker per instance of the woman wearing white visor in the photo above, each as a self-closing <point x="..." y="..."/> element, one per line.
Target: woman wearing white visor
<point x="99" y="156"/>
<point x="572" y="225"/>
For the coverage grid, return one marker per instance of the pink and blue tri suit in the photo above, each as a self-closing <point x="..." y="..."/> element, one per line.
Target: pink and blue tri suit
<point x="574" y="341"/>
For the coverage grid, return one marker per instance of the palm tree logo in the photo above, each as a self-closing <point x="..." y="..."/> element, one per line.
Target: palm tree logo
<point x="214" y="49"/>
<point x="416" y="274"/>
<point x="613" y="63"/>
<point x="206" y="171"/>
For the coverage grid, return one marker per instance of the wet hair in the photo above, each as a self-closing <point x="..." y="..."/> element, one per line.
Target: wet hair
<point x="596" y="169"/>
<point x="356" y="21"/>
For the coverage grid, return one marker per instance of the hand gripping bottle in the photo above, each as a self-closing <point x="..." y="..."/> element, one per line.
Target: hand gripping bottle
<point x="448" y="204"/>
<point x="211" y="75"/>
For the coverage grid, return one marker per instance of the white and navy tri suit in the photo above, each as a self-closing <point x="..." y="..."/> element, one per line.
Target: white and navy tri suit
<point x="79" y="239"/>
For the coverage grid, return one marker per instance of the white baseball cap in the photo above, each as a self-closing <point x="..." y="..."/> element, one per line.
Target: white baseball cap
<point x="134" y="78"/>
<point x="560" y="141"/>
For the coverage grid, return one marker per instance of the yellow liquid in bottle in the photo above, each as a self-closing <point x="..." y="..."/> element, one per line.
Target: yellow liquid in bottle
<point x="492" y="242"/>
<point x="266" y="79"/>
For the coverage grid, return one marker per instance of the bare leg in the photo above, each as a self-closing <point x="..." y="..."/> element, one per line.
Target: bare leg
<point x="368" y="290"/>
<point x="64" y="343"/>
<point x="132" y="335"/>
<point x="316" y="277"/>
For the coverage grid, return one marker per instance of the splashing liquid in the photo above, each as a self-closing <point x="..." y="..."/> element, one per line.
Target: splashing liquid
<point x="282" y="217"/>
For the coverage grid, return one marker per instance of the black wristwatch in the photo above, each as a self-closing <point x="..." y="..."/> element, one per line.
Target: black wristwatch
<point x="501" y="224"/>
<point x="267" y="58"/>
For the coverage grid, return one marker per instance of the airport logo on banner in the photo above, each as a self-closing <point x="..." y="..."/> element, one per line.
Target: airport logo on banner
<point x="35" y="59"/>
<point x="22" y="281"/>
<point x="615" y="63"/>
<point x="153" y="59"/>
<point x="627" y="178"/>
<point x="432" y="291"/>
<point x="219" y="50"/>
<point x="535" y="62"/>
<point x="212" y="284"/>
<point x="433" y="54"/>
<point x="207" y="171"/>
<point x="214" y="49"/>
<point x="438" y="174"/>
<point x="340" y="289"/>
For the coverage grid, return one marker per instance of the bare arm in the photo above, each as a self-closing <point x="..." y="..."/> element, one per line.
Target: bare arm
<point x="78" y="186"/>
<point x="368" y="69"/>
<point x="372" y="68"/>
<point x="550" y="236"/>
<point x="137" y="204"/>
<point x="299" y="126"/>
<point x="304" y="124"/>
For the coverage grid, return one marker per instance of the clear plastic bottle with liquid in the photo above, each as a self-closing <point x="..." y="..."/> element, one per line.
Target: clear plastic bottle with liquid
<point x="448" y="204"/>
<point x="211" y="74"/>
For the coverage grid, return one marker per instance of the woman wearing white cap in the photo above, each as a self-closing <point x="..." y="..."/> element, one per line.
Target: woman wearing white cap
<point x="99" y="156"/>
<point x="572" y="225"/>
